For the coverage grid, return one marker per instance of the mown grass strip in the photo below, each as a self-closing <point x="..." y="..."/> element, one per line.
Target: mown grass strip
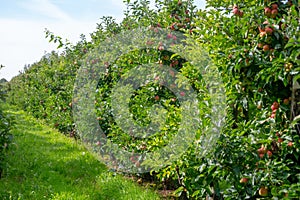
<point x="44" y="164"/>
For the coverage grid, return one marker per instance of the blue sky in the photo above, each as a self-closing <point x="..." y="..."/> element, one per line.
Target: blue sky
<point x="22" y="25"/>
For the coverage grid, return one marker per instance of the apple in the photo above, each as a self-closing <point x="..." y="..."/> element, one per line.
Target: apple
<point x="273" y="115"/>
<point x="269" y="30"/>
<point x="169" y="35"/>
<point x="156" y="97"/>
<point x="182" y="94"/>
<point x="266" y="47"/>
<point x="172" y="73"/>
<point x="268" y="11"/>
<point x="260" y="45"/>
<point x="266" y="22"/>
<point x="261" y="155"/>
<point x="280" y="140"/>
<point x="275" y="105"/>
<point x="290" y="144"/>
<point x="274" y="6"/>
<point x="137" y="164"/>
<point x="274" y="13"/>
<point x="263" y="191"/>
<point x="160" y="48"/>
<point x="244" y="180"/>
<point x="262" y="150"/>
<point x="241" y="13"/>
<point x="133" y="159"/>
<point x="235" y="11"/>
<point x="286" y="101"/>
<point x="269" y="153"/>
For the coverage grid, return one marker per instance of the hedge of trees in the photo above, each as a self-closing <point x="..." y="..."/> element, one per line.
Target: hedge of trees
<point x="6" y="123"/>
<point x="255" y="47"/>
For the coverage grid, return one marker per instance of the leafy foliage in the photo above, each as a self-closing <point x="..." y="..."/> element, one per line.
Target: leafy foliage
<point x="253" y="44"/>
<point x="6" y="123"/>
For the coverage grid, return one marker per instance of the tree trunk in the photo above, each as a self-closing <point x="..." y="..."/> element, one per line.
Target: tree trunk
<point x="295" y="104"/>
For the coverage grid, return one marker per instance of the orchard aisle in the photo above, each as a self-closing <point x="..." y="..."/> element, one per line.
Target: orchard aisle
<point x="44" y="164"/>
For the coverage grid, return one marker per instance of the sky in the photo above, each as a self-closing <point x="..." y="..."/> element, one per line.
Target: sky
<point x="23" y="24"/>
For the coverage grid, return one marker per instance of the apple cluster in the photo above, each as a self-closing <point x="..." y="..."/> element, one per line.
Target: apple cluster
<point x="237" y="12"/>
<point x="263" y="150"/>
<point x="272" y="11"/>
<point x="274" y="108"/>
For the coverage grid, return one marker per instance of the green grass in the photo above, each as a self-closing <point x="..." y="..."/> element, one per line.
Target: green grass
<point x="44" y="164"/>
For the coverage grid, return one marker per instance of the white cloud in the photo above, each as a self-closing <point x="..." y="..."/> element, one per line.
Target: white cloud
<point x="23" y="41"/>
<point x="46" y="8"/>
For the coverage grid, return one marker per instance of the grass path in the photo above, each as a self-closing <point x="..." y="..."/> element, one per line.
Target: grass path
<point x="44" y="164"/>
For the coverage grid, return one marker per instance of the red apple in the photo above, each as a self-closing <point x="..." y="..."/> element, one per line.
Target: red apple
<point x="269" y="30"/>
<point x="273" y="115"/>
<point x="235" y="11"/>
<point x="160" y="48"/>
<point x="275" y="105"/>
<point x="266" y="22"/>
<point x="280" y="140"/>
<point x="263" y="191"/>
<point x="156" y="97"/>
<point x="274" y="6"/>
<point x="261" y="155"/>
<point x="266" y="47"/>
<point x="241" y="13"/>
<point x="261" y="150"/>
<point x="244" y="180"/>
<point x="286" y="101"/>
<point x="269" y="153"/>
<point x="290" y="144"/>
<point x="182" y="94"/>
<point x="274" y="13"/>
<point x="268" y="11"/>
